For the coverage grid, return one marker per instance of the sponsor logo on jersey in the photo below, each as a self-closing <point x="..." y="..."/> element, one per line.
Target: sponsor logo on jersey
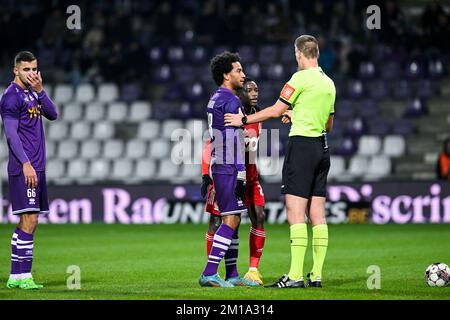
<point x="287" y="92"/>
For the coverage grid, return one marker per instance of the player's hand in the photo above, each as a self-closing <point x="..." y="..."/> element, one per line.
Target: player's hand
<point x="233" y="120"/>
<point x="31" y="179"/>
<point x="35" y="81"/>
<point x="206" y="182"/>
<point x="239" y="190"/>
<point x="287" y="116"/>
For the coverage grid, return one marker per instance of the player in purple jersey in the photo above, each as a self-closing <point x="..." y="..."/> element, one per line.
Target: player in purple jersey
<point x="22" y="106"/>
<point x="228" y="171"/>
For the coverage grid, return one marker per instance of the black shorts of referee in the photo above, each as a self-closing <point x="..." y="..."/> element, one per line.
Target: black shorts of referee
<point x="305" y="168"/>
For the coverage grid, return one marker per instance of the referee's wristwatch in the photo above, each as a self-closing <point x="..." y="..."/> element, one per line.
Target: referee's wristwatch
<point x="244" y="120"/>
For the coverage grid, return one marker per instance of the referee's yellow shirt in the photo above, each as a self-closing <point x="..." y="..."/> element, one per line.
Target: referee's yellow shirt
<point x="311" y="94"/>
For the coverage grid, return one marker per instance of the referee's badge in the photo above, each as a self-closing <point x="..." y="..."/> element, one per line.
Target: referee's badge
<point x="287" y="92"/>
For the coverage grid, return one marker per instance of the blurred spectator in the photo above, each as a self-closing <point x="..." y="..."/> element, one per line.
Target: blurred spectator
<point x="139" y="27"/>
<point x="275" y="27"/>
<point x="431" y="14"/>
<point x="393" y="23"/>
<point x="443" y="164"/>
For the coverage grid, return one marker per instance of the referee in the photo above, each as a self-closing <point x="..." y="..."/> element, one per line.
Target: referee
<point x="310" y="93"/>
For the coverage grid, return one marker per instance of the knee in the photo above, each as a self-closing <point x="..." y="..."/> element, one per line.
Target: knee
<point x="260" y="219"/>
<point x="318" y="219"/>
<point x="232" y="221"/>
<point x="30" y="223"/>
<point x="214" y="224"/>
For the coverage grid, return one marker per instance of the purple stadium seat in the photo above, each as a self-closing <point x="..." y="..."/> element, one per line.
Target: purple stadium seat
<point x="175" y="55"/>
<point x="268" y="94"/>
<point x="414" y="70"/>
<point x="344" y="109"/>
<point x="356" y="127"/>
<point x="403" y="127"/>
<point x="426" y="88"/>
<point x="338" y="127"/>
<point x="415" y="108"/>
<point x="204" y="73"/>
<point x="390" y="71"/>
<point x="436" y="69"/>
<point x="355" y="89"/>
<point x="185" y="74"/>
<point x="162" y="73"/>
<point x="379" y="126"/>
<point x="156" y="55"/>
<point x="287" y="54"/>
<point x="378" y="90"/>
<point x="275" y="72"/>
<point x="217" y="50"/>
<point x="131" y="91"/>
<point x="162" y="110"/>
<point x="366" y="70"/>
<point x="183" y="111"/>
<point x="368" y="108"/>
<point x="247" y="53"/>
<point x="173" y="92"/>
<point x="402" y="89"/>
<point x="268" y="54"/>
<point x="197" y="55"/>
<point x="346" y="147"/>
<point x="254" y="71"/>
<point x="195" y="91"/>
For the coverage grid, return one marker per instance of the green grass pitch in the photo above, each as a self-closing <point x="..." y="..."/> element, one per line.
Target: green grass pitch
<point x="165" y="261"/>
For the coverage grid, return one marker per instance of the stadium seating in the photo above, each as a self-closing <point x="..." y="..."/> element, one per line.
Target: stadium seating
<point x="109" y="131"/>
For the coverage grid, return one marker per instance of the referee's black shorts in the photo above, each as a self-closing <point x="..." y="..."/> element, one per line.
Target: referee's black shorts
<point x="305" y="168"/>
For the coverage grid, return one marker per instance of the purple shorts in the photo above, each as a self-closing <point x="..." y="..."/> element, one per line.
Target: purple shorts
<point x="28" y="200"/>
<point x="226" y="200"/>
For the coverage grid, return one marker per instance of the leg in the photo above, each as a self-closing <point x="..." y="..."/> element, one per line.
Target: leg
<point x="25" y="242"/>
<point x="231" y="256"/>
<point x="214" y="223"/>
<point x="28" y="222"/>
<point x="256" y="241"/>
<point x="318" y="221"/>
<point x="214" y="218"/>
<point x="295" y="211"/>
<point x="26" y="202"/>
<point x="320" y="235"/>
<point x="257" y="235"/>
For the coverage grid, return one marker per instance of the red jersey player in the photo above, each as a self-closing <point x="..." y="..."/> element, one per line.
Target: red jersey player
<point x="254" y="196"/>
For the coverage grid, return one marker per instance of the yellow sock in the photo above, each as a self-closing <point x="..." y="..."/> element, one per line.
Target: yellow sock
<point x="299" y="242"/>
<point x="320" y="245"/>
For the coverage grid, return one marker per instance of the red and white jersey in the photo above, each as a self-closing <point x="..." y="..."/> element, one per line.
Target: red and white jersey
<point x="251" y="132"/>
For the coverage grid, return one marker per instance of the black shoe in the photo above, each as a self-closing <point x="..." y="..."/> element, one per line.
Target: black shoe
<point x="315" y="284"/>
<point x="285" y="282"/>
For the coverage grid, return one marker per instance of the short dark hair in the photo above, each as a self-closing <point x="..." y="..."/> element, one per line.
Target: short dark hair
<point x="247" y="79"/>
<point x="308" y="45"/>
<point x="222" y="63"/>
<point x="24" y="56"/>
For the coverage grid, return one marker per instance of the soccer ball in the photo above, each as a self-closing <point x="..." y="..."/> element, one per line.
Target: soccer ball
<point x="437" y="275"/>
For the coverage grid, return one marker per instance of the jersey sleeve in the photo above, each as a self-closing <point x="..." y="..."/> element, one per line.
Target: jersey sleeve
<point x="291" y="90"/>
<point x="10" y="107"/>
<point x="206" y="157"/>
<point x="233" y="106"/>
<point x="47" y="105"/>
<point x="332" y="102"/>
